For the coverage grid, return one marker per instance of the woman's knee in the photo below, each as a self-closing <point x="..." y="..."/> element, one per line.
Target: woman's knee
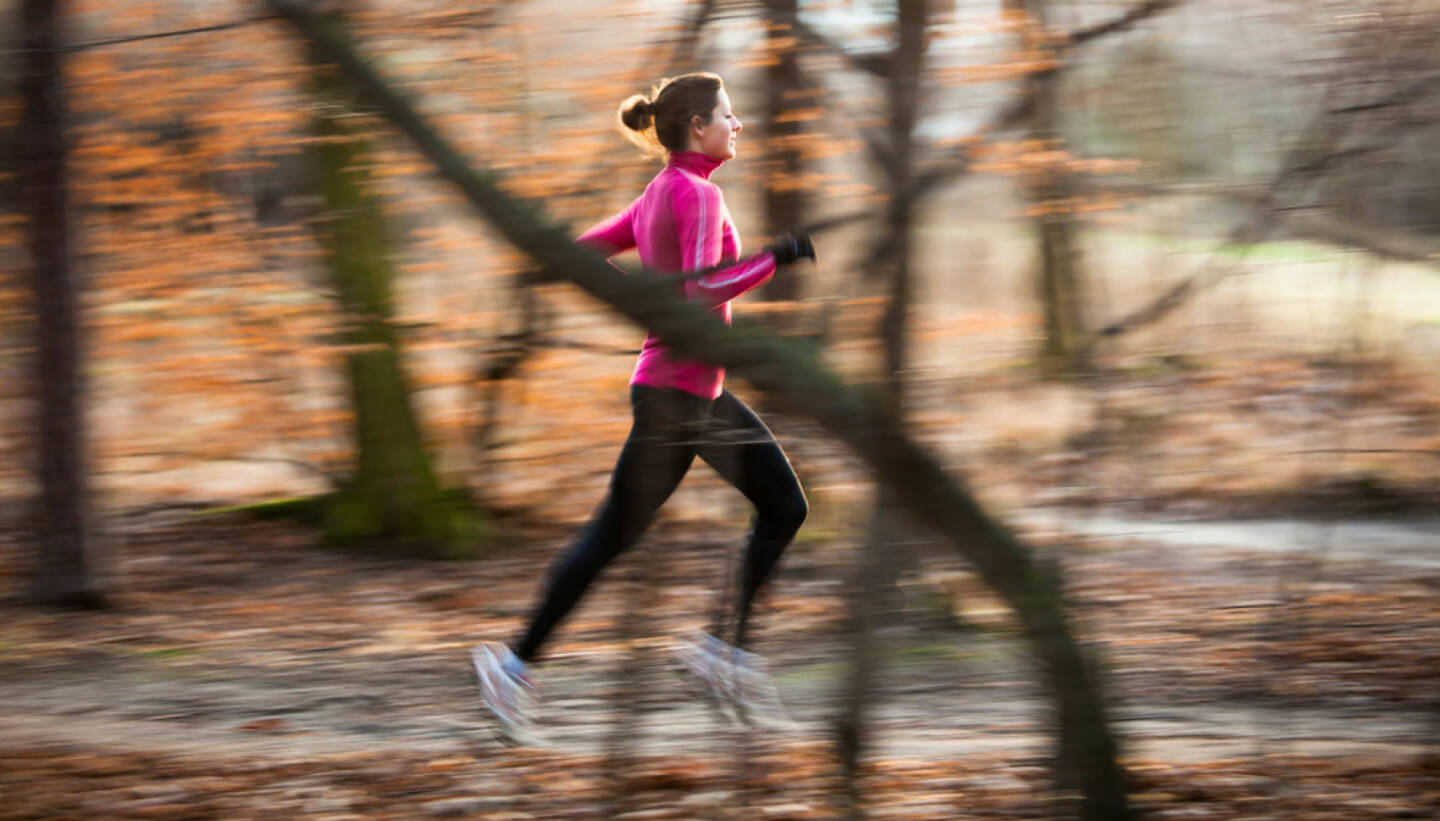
<point x="787" y="513"/>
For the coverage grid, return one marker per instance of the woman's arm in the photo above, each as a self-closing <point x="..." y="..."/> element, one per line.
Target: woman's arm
<point x="699" y="227"/>
<point x="615" y="235"/>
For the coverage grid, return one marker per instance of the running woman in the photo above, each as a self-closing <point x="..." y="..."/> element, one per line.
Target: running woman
<point x="680" y="407"/>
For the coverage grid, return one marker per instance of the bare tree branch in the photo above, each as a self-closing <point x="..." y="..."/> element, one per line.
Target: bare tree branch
<point x="1315" y="151"/>
<point x="1401" y="96"/>
<point x="1312" y="222"/>
<point x="1210" y="274"/>
<point x="1406" y="451"/>
<point x="877" y="65"/>
<point x="138" y="38"/>
<point x="1395" y="245"/>
<point x="956" y="164"/>
<point x="1139" y="13"/>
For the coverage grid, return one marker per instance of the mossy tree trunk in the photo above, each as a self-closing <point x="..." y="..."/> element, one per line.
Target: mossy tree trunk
<point x="392" y="496"/>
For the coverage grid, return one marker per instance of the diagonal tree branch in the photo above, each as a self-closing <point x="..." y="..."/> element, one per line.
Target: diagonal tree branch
<point x="1406" y="94"/>
<point x="158" y="35"/>
<point x="956" y="164"/>
<point x="877" y="65"/>
<point x="1138" y="14"/>
<point x="792" y="373"/>
<point x="1395" y="245"/>
<point x="1209" y="275"/>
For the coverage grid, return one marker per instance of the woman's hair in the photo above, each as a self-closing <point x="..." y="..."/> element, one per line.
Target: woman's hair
<point x="658" y="123"/>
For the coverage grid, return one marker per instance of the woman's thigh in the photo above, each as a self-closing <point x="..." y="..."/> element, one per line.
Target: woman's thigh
<point x="657" y="453"/>
<point x="740" y="447"/>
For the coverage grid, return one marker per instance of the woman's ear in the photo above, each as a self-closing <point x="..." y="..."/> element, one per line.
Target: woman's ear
<point x="697" y="124"/>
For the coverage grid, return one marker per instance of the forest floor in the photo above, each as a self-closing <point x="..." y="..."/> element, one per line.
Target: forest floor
<point x="1250" y="546"/>
<point x="247" y="674"/>
<point x="1247" y="537"/>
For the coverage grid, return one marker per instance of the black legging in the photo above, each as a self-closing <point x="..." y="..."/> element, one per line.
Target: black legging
<point x="670" y="429"/>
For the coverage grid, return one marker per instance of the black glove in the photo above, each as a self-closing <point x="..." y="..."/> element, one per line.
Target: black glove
<point x="791" y="247"/>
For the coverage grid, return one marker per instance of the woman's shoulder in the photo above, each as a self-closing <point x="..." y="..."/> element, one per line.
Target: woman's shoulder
<point x="681" y="183"/>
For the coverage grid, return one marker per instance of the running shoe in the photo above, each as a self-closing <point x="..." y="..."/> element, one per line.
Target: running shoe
<point x="507" y="691"/>
<point x="736" y="677"/>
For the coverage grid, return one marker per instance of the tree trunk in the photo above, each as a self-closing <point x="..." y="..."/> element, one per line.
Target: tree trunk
<point x="63" y="574"/>
<point x="785" y="200"/>
<point x="874" y="575"/>
<point x="1060" y="269"/>
<point x="393" y="496"/>
<point x="905" y="70"/>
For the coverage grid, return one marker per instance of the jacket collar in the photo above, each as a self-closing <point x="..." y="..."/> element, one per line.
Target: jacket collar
<point x="698" y="163"/>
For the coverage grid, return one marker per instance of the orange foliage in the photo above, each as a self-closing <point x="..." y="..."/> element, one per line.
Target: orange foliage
<point x="205" y="290"/>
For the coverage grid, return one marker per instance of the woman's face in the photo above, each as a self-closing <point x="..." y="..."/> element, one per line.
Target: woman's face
<point x="717" y="137"/>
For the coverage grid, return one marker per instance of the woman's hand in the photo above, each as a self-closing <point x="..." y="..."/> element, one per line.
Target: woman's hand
<point x="791" y="247"/>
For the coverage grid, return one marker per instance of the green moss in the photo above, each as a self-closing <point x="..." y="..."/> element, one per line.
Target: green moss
<point x="303" y="509"/>
<point x="348" y="520"/>
<point x="447" y="525"/>
<point x="168" y="653"/>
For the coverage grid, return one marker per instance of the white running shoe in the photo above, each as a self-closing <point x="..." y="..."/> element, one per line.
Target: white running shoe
<point x="507" y="691"/>
<point x="739" y="678"/>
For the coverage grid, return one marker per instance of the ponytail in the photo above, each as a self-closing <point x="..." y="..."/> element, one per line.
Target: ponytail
<point x="658" y="123"/>
<point x="636" y="112"/>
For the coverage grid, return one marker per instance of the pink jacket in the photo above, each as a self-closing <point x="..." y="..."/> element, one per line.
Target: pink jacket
<point x="680" y="224"/>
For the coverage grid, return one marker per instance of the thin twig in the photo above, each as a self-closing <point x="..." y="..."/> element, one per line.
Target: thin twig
<point x="137" y="38"/>
<point x="877" y="64"/>
<point x="1410" y="451"/>
<point x="1135" y="15"/>
<point x="1400" y="96"/>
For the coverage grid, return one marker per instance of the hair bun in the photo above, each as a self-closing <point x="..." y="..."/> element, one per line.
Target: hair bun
<point x="637" y="112"/>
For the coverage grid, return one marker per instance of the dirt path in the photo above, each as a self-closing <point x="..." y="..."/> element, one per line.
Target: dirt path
<point x="426" y="704"/>
<point x="298" y="716"/>
<point x="247" y="674"/>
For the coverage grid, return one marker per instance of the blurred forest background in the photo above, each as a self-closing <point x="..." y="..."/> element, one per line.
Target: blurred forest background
<point x="290" y="420"/>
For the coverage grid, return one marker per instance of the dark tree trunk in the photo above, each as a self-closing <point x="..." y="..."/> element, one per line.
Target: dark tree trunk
<point x="905" y="70"/>
<point x="1060" y="268"/>
<point x="63" y="574"/>
<point x="785" y="200"/>
<point x="874" y="574"/>
<point x="686" y="54"/>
